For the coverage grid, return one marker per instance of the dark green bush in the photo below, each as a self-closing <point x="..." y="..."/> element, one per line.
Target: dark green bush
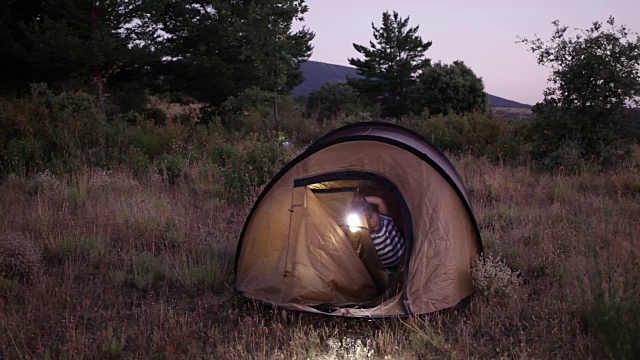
<point x="613" y="315"/>
<point x="156" y="140"/>
<point x="37" y="131"/>
<point x="129" y="118"/>
<point x="156" y="115"/>
<point x="143" y="271"/>
<point x="566" y="137"/>
<point x="171" y="167"/>
<point x="137" y="162"/>
<point x="249" y="166"/>
<point x="478" y="134"/>
<point x="331" y="100"/>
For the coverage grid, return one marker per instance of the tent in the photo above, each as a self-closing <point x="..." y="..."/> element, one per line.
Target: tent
<point x="297" y="251"/>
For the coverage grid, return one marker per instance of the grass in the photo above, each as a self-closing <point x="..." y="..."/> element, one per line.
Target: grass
<point x="138" y="268"/>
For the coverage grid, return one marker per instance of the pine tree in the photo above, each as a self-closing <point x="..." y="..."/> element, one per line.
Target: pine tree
<point x="218" y="49"/>
<point x="274" y="50"/>
<point x="78" y="41"/>
<point x="391" y="64"/>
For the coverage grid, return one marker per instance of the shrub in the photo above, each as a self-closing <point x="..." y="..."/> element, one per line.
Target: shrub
<point x="492" y="277"/>
<point x="206" y="274"/>
<point x="595" y="138"/>
<point x="245" y="168"/>
<point x="137" y="162"/>
<point x="331" y="100"/>
<point x="252" y="101"/>
<point x="130" y="117"/>
<point x="75" y="247"/>
<point x="19" y="258"/>
<point x="142" y="271"/>
<point x="612" y="309"/>
<point x="49" y="184"/>
<point x="64" y="129"/>
<point x="479" y="134"/>
<point x="171" y="167"/>
<point x="157" y="116"/>
<point x="150" y="139"/>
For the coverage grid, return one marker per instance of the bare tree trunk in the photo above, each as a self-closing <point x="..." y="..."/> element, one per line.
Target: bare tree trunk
<point x="97" y="74"/>
<point x="275" y="89"/>
<point x="275" y="113"/>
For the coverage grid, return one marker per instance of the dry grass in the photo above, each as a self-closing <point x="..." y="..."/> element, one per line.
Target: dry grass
<point x="136" y="268"/>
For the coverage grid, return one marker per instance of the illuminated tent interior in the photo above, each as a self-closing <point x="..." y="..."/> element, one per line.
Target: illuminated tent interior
<point x="298" y="250"/>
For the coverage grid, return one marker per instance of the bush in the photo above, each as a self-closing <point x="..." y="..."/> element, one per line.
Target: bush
<point x="137" y="162"/>
<point x="612" y="311"/>
<point x="207" y="274"/>
<point x="250" y="166"/>
<point x="568" y="138"/>
<point x="171" y="167"/>
<point x="154" y="140"/>
<point x="75" y="247"/>
<point x="19" y="258"/>
<point x="143" y="271"/>
<point x="254" y="102"/>
<point x="478" y="134"/>
<point x="492" y="277"/>
<point x="157" y="116"/>
<point x="331" y="100"/>
<point x="64" y="129"/>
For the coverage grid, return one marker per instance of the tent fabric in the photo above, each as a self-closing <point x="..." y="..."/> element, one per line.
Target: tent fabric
<point x="293" y="252"/>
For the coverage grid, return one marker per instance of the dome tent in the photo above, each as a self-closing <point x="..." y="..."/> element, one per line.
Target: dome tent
<point x="295" y="250"/>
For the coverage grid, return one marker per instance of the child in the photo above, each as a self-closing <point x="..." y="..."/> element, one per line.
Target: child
<point x="385" y="235"/>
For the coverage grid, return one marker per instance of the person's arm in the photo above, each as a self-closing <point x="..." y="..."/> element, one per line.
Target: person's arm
<point x="382" y="206"/>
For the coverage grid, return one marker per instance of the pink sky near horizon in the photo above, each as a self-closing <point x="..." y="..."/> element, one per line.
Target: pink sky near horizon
<point x="483" y="34"/>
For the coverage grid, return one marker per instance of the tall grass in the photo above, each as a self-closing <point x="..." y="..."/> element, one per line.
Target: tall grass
<point x="132" y="222"/>
<point x="121" y="249"/>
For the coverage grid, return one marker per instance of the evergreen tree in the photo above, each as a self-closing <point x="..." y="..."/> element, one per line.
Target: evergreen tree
<point x="276" y="52"/>
<point x="67" y="42"/>
<point x="391" y="64"/>
<point x="217" y="49"/>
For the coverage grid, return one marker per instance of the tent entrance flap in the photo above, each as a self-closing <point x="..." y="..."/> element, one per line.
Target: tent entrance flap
<point x="322" y="266"/>
<point x="337" y="199"/>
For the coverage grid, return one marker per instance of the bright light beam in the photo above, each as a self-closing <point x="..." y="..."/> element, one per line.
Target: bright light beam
<point x="353" y="220"/>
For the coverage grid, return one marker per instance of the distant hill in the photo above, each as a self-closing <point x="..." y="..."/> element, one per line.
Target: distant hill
<point x="317" y="73"/>
<point x="496" y="101"/>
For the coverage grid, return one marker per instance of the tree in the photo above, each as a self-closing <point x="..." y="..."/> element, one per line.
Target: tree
<point x="273" y="49"/>
<point x="331" y="100"/>
<point x="595" y="75"/>
<point x="88" y="42"/>
<point x="202" y="51"/>
<point x="217" y="48"/>
<point x="445" y="89"/>
<point x="391" y="64"/>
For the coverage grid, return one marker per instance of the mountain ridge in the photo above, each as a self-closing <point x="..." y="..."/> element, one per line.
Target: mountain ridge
<point x="317" y="73"/>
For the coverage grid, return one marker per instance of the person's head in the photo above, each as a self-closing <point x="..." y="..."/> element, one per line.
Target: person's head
<point x="373" y="218"/>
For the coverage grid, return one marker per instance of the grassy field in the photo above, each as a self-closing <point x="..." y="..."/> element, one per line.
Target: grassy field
<point x="107" y="265"/>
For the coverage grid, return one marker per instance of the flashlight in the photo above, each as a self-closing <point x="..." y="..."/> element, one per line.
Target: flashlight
<point x="353" y="220"/>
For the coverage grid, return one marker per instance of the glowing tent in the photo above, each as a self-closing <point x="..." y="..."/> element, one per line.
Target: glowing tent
<point x="296" y="250"/>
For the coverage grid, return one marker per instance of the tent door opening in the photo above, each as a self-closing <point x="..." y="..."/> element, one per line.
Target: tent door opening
<point x="337" y="195"/>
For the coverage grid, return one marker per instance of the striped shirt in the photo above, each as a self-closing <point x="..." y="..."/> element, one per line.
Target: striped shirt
<point x="388" y="242"/>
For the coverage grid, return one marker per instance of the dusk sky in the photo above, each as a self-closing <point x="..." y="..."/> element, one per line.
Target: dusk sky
<point x="483" y="34"/>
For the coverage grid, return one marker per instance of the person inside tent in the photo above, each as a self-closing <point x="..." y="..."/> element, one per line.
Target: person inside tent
<point x="386" y="238"/>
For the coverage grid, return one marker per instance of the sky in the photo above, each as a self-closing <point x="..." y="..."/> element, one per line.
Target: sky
<point x="481" y="33"/>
